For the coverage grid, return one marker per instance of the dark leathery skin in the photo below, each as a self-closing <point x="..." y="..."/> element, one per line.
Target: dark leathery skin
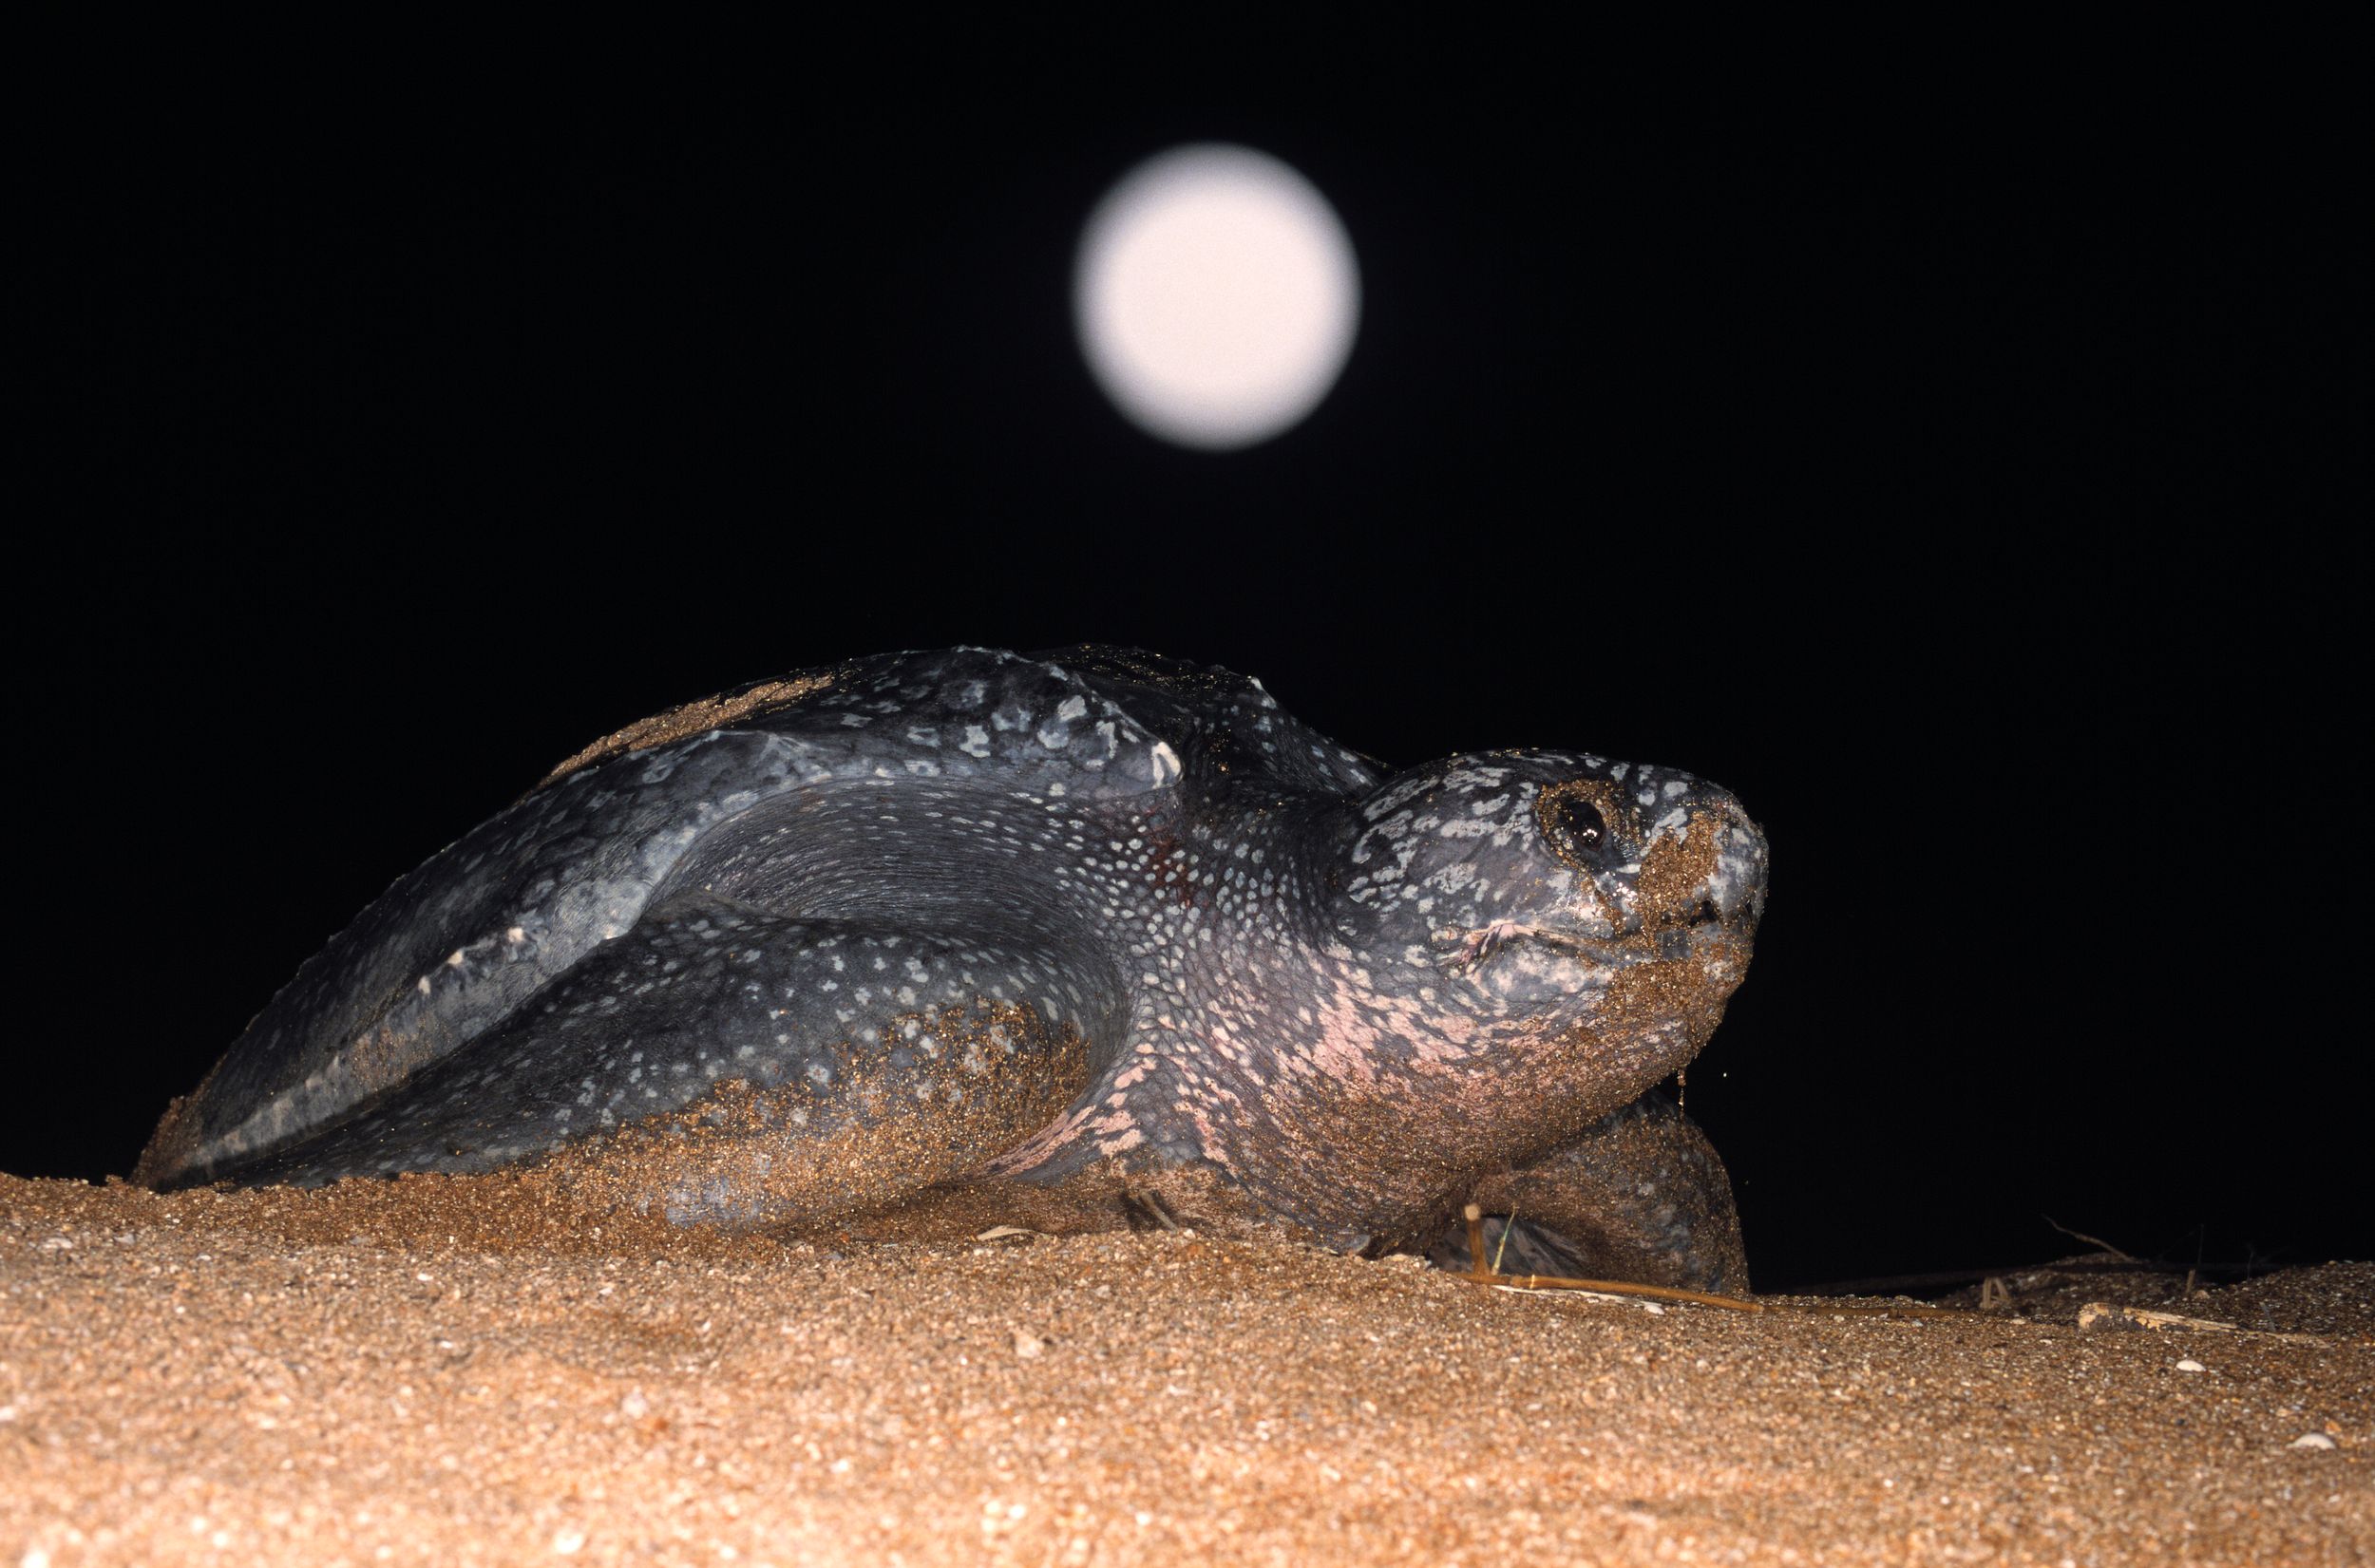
<point x="1021" y="917"/>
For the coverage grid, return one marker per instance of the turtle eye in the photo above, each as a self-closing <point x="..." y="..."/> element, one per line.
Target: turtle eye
<point x="1574" y="827"/>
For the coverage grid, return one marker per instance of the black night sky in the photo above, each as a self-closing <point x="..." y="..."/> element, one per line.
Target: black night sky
<point x="1955" y="478"/>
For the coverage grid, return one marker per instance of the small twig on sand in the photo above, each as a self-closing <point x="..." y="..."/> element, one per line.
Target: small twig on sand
<point x="2099" y="1311"/>
<point x="1480" y="1273"/>
<point x="1614" y="1287"/>
<point x="1146" y="1203"/>
<point x="1509" y="1222"/>
<point x="2090" y="1240"/>
<point x="1700" y="1299"/>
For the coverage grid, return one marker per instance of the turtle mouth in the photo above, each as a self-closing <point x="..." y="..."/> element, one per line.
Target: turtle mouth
<point x="1699" y="925"/>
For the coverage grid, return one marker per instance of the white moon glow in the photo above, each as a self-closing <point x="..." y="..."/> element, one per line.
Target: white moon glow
<point x="1216" y="296"/>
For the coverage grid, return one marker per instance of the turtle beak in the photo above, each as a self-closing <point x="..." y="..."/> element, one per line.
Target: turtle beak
<point x="1704" y="863"/>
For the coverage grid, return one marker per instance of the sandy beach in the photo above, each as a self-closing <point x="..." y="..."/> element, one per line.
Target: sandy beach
<point x="436" y="1371"/>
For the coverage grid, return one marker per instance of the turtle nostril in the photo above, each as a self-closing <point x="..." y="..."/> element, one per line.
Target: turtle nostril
<point x="1705" y="914"/>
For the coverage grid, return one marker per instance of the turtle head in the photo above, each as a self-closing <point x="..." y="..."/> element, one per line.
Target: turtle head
<point x="1570" y="908"/>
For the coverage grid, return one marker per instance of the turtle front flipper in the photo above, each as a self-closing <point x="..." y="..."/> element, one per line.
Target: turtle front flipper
<point x="720" y="1063"/>
<point x="1640" y="1196"/>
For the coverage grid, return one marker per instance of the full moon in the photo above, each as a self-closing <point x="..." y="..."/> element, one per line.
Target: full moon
<point x="1216" y="296"/>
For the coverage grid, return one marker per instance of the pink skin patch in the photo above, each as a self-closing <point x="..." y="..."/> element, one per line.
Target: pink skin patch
<point x="1208" y="1137"/>
<point x="1345" y="1042"/>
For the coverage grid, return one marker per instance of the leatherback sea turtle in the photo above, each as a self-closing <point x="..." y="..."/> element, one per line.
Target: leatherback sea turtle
<point x="817" y="945"/>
